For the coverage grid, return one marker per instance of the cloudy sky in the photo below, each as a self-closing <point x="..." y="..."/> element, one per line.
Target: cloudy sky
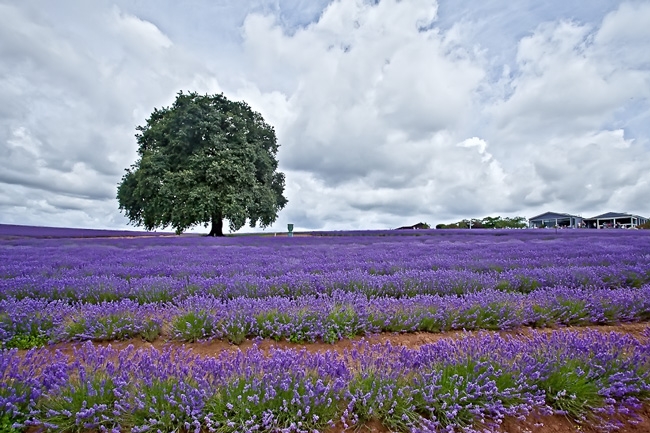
<point x="387" y="112"/>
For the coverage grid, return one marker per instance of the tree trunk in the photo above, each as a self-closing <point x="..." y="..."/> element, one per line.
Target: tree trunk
<point x="217" y="225"/>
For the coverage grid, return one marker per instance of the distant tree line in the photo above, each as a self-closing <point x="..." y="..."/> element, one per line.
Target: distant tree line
<point x="487" y="223"/>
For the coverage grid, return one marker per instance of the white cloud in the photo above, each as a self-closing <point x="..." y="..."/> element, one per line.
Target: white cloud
<point x="366" y="74"/>
<point x="131" y="28"/>
<point x="560" y="129"/>
<point x="566" y="82"/>
<point x="387" y="113"/>
<point x="627" y="27"/>
<point x="76" y="98"/>
<point x="585" y="173"/>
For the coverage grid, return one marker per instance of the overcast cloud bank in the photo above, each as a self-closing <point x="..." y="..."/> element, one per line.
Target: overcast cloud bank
<point x="388" y="113"/>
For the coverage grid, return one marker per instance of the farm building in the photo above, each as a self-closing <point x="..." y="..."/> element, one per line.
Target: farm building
<point x="553" y="219"/>
<point x="615" y="219"/>
<point x="417" y="226"/>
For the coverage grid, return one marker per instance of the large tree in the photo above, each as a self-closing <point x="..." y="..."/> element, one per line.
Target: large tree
<point x="203" y="159"/>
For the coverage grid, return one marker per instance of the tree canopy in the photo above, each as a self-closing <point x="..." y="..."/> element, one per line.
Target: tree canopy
<point x="201" y="160"/>
<point x="487" y="223"/>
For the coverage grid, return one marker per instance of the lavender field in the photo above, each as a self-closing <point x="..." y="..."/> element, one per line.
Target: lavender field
<point x="321" y="288"/>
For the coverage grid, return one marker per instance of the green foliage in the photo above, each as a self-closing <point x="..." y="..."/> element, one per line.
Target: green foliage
<point x="430" y="322"/>
<point x="523" y="284"/>
<point x="527" y="285"/>
<point x="487" y="223"/>
<point x="342" y="322"/>
<point x="84" y="404"/>
<point x="201" y="160"/>
<point x="193" y="326"/>
<point x="573" y="312"/>
<point x="483" y="317"/>
<point x="27" y="341"/>
<point x="544" y="316"/>
<point x="147" y="295"/>
<point x="7" y="423"/>
<point x="160" y="406"/>
<point x="568" y="388"/>
<point x="565" y="312"/>
<point x="76" y="326"/>
<point x="269" y="320"/>
<point x="15" y="412"/>
<point x="299" y="400"/>
<point x="151" y="330"/>
<point x="303" y="333"/>
<point x="29" y="334"/>
<point x="503" y="286"/>
<point x="455" y="393"/>
<point x="507" y="222"/>
<point x="112" y="327"/>
<point x="396" y="321"/>
<point x="376" y="400"/>
<point x="237" y="329"/>
<point x="451" y="387"/>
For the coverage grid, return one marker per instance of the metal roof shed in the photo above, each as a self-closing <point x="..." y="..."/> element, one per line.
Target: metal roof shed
<point x="615" y="219"/>
<point x="552" y="219"/>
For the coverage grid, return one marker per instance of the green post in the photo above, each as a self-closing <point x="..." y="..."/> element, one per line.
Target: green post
<point x="290" y="228"/>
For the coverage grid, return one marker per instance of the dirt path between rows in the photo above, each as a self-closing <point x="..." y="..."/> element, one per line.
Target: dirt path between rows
<point x="409" y="340"/>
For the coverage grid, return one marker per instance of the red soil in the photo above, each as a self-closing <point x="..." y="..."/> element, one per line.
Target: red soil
<point x="410" y="340"/>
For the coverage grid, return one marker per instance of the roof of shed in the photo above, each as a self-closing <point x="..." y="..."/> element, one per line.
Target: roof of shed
<point x="611" y="215"/>
<point x="552" y="215"/>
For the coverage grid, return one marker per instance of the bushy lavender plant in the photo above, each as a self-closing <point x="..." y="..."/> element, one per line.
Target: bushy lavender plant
<point x="468" y="384"/>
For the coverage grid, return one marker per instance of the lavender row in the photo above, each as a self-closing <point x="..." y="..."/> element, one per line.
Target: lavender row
<point x="162" y="269"/>
<point x="32" y="322"/>
<point x="453" y="385"/>
<point x="9" y="231"/>
<point x="133" y="258"/>
<point x="98" y="288"/>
